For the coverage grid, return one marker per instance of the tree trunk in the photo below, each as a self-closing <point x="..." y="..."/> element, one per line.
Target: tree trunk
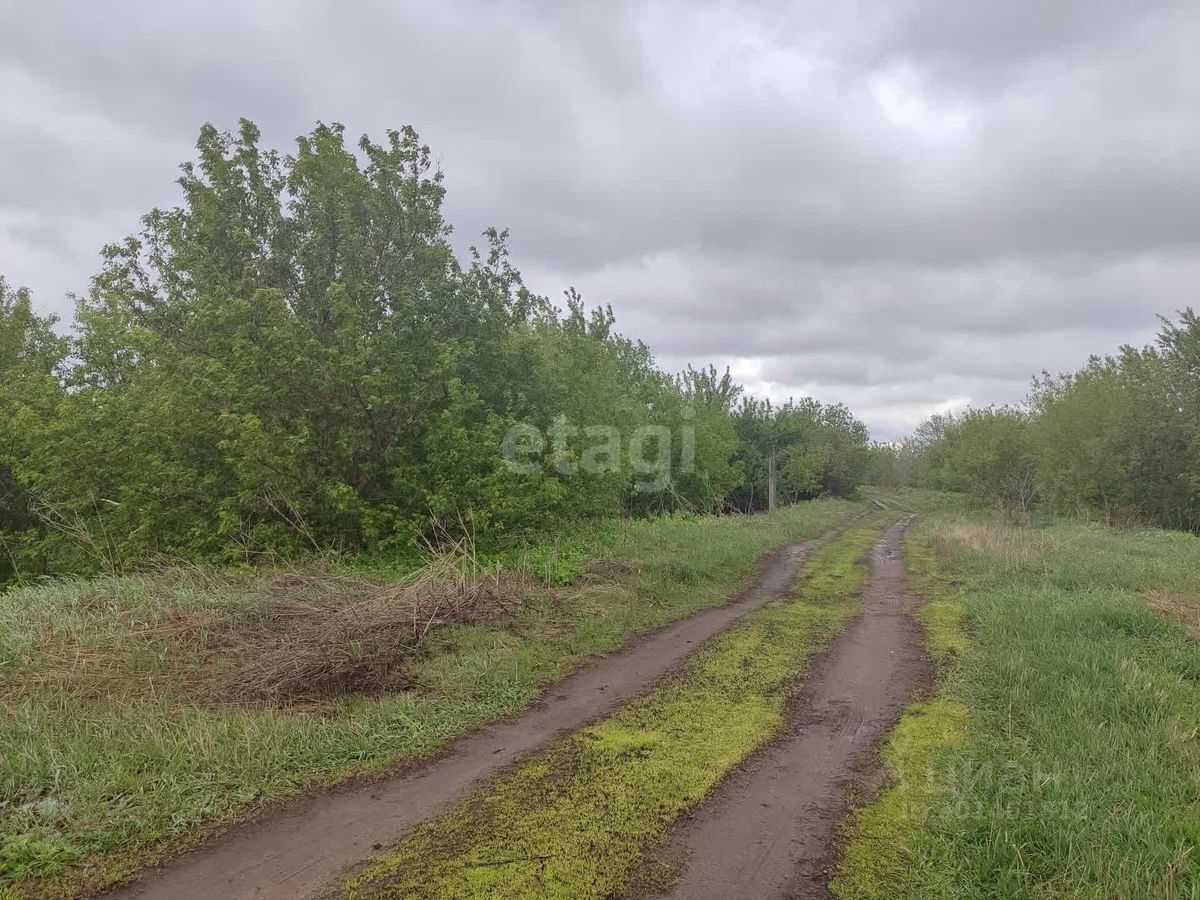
<point x="771" y="480"/>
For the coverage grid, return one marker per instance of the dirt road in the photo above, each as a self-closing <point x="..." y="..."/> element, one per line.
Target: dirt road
<point x="770" y="830"/>
<point x="302" y="847"/>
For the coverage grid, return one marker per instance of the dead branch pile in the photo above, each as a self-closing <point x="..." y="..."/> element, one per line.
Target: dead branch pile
<point x="322" y="636"/>
<point x="305" y="635"/>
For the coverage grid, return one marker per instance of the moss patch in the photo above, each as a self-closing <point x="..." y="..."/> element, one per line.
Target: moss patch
<point x="881" y="836"/>
<point x="574" y="821"/>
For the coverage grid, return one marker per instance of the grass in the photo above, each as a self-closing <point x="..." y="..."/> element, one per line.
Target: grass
<point x="573" y="822"/>
<point x="942" y="613"/>
<point x="101" y="775"/>
<point x="1059" y="757"/>
<point x="556" y="559"/>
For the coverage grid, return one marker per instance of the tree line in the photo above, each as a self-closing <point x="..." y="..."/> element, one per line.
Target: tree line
<point x="1117" y="440"/>
<point x="294" y="360"/>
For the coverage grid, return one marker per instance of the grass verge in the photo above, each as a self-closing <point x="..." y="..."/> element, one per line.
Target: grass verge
<point x="1060" y="755"/>
<point x="573" y="822"/>
<point x="101" y="775"/>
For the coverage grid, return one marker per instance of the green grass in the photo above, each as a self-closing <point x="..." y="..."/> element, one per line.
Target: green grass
<point x="942" y="612"/>
<point x="556" y="559"/>
<point x="96" y="782"/>
<point x="574" y="821"/>
<point x="1060" y="755"/>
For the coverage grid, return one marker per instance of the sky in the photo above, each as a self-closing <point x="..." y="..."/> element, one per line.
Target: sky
<point x="903" y="205"/>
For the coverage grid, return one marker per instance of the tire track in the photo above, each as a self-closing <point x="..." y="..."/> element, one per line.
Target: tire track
<point x="770" y="830"/>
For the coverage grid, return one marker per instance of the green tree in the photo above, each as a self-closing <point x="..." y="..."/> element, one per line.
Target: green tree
<point x="31" y="359"/>
<point x="988" y="453"/>
<point x="810" y="448"/>
<point x="293" y="360"/>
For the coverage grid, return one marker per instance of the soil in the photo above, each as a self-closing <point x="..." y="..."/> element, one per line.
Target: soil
<point x="300" y="847"/>
<point x="771" y="829"/>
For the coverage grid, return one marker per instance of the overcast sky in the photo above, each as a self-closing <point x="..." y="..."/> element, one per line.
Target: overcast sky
<point x="905" y="205"/>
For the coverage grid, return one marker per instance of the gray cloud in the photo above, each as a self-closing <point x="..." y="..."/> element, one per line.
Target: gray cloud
<point x="904" y="205"/>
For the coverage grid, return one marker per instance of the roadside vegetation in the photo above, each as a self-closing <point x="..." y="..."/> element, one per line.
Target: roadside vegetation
<point x="294" y="362"/>
<point x="575" y="820"/>
<point x="1117" y="441"/>
<point x="139" y="710"/>
<point x="1059" y="755"/>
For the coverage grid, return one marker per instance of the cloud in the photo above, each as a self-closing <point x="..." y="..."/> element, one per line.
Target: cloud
<point x="901" y="205"/>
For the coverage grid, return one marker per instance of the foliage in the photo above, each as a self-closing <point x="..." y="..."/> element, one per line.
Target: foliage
<point x="891" y="465"/>
<point x="1119" y="439"/>
<point x="821" y="449"/>
<point x="293" y="360"/>
<point x="31" y="357"/>
<point x="988" y="453"/>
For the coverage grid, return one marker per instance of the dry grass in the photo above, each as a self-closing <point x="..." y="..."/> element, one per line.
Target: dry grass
<point x="294" y="637"/>
<point x="978" y="536"/>
<point x="1020" y="548"/>
<point x="1183" y="608"/>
